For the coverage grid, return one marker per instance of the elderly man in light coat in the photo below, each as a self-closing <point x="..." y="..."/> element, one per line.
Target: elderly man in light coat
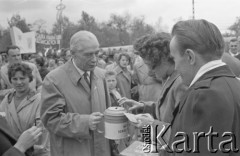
<point x="73" y="100"/>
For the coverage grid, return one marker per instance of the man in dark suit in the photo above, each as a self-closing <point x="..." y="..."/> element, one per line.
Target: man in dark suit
<point x="209" y="113"/>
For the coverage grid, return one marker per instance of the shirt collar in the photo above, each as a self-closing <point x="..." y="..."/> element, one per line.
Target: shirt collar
<point x="233" y="54"/>
<point x="81" y="72"/>
<point x="207" y="67"/>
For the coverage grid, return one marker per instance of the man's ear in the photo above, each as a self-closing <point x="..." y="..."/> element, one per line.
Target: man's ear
<point x="191" y="56"/>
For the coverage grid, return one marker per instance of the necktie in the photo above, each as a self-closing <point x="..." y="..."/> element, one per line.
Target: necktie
<point x="86" y="78"/>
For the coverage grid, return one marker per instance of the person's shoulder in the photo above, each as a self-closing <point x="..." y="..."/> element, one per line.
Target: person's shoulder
<point x="4" y="67"/>
<point x="8" y="95"/>
<point x="99" y="72"/>
<point x="58" y="72"/>
<point x="35" y="97"/>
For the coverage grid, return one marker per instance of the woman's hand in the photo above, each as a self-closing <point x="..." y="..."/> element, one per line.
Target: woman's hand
<point x="28" y="138"/>
<point x="130" y="103"/>
<point x="143" y="120"/>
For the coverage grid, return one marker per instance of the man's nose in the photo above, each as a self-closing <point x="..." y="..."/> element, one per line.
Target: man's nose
<point x="94" y="58"/>
<point x="19" y="81"/>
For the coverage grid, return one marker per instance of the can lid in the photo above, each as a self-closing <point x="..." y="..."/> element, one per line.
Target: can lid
<point x="115" y="111"/>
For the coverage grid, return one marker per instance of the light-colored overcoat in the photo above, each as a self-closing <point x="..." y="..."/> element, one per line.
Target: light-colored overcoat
<point x="67" y="102"/>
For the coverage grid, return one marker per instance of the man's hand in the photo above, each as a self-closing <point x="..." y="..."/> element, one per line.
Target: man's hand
<point x="94" y="119"/>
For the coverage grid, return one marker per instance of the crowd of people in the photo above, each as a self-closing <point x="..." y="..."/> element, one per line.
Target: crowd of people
<point x="54" y="106"/>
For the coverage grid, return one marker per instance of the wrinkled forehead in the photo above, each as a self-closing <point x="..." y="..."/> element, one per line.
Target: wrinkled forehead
<point x="83" y="41"/>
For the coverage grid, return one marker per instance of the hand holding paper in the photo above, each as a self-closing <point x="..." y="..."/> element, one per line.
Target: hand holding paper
<point x="140" y="120"/>
<point x="131" y="103"/>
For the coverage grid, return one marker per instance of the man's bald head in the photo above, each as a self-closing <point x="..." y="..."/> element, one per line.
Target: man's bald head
<point x="84" y="47"/>
<point x="83" y="40"/>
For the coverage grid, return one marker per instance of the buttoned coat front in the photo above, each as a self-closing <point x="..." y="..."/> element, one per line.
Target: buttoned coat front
<point x="67" y="102"/>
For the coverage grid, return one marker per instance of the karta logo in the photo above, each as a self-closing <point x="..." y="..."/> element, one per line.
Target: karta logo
<point x="158" y="139"/>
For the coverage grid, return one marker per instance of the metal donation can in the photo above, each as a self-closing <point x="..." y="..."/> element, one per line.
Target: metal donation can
<point x="116" y="123"/>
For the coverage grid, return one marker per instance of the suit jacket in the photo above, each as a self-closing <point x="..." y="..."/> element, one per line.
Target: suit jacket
<point x="212" y="103"/>
<point x="7" y="141"/>
<point x="67" y="102"/>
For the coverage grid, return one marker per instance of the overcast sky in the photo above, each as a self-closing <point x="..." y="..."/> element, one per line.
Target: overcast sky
<point x="223" y="13"/>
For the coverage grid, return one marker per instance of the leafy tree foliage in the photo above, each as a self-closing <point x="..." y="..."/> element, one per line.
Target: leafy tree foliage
<point x="235" y="28"/>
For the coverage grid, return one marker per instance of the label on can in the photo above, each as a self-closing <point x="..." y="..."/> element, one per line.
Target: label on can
<point x="116" y="131"/>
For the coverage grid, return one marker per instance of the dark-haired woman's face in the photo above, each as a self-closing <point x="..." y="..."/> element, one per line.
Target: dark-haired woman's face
<point x="158" y="71"/>
<point x="20" y="82"/>
<point x="124" y="62"/>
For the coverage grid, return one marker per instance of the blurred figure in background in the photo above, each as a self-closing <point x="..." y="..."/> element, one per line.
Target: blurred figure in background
<point x="124" y="77"/>
<point x="40" y="63"/>
<point x="68" y="55"/>
<point x="60" y="62"/>
<point x="52" y="64"/>
<point x="114" y="64"/>
<point x="233" y="48"/>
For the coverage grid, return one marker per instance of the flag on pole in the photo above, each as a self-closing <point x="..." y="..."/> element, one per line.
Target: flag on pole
<point x="25" y="41"/>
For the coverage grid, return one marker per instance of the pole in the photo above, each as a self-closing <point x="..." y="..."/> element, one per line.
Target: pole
<point x="60" y="7"/>
<point x="193" y="9"/>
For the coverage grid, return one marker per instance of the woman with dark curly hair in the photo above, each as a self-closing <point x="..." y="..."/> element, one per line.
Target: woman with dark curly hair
<point x="154" y="49"/>
<point x="22" y="106"/>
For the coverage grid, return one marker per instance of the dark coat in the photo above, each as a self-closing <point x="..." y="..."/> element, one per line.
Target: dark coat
<point x="7" y="141"/>
<point x="213" y="101"/>
<point x="232" y="62"/>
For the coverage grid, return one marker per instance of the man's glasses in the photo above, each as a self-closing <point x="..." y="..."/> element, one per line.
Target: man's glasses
<point x="233" y="46"/>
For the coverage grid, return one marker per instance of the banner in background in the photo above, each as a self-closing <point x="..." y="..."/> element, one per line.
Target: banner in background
<point x="25" y="41"/>
<point x="47" y="39"/>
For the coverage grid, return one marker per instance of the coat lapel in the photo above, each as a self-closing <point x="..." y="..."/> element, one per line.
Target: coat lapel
<point x="165" y="90"/>
<point x="119" y="70"/>
<point x="85" y="85"/>
<point x="14" y="115"/>
<point x="75" y="76"/>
